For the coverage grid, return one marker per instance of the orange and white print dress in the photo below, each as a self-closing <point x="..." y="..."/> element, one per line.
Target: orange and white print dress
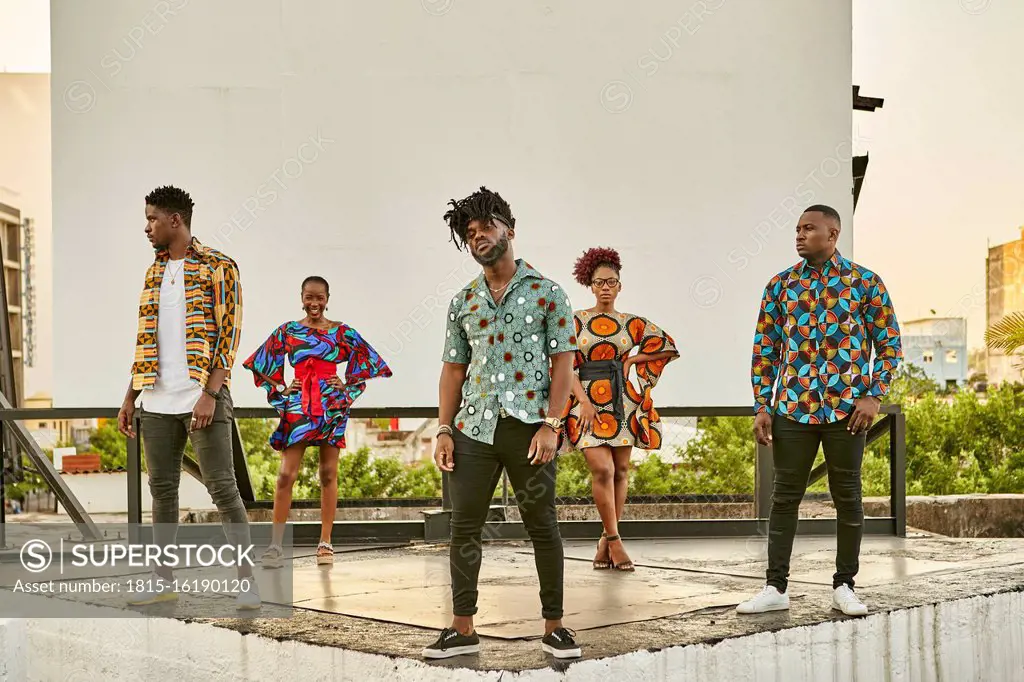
<point x="606" y="339"/>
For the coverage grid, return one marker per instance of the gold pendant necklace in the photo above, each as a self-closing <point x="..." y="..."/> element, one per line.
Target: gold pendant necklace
<point x="175" y="275"/>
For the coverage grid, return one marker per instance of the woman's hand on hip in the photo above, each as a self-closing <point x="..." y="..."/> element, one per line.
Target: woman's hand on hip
<point x="588" y="415"/>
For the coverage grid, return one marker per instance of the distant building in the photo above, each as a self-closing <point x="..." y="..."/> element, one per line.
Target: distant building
<point x="11" y="253"/>
<point x="938" y="345"/>
<point x="25" y="185"/>
<point x="408" y="440"/>
<point x="50" y="433"/>
<point x="1004" y="279"/>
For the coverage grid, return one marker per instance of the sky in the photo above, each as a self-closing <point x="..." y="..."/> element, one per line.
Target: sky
<point x="946" y="150"/>
<point x="25" y="36"/>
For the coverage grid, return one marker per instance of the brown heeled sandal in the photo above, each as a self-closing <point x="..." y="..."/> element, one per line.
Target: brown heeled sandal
<point x="626" y="566"/>
<point x="598" y="564"/>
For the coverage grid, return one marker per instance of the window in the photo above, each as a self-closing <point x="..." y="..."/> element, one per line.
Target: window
<point x="951" y="357"/>
<point x="928" y="356"/>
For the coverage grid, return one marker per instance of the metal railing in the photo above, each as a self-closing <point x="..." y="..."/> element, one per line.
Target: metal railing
<point x="434" y="526"/>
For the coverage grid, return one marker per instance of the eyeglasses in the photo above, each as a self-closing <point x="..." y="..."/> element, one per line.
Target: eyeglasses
<point x="599" y="283"/>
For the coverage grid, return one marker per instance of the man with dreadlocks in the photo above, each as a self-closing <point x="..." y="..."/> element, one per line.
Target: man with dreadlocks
<point x="508" y="358"/>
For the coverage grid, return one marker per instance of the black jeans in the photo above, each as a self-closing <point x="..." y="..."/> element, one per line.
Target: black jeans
<point x="795" y="446"/>
<point x="477" y="471"/>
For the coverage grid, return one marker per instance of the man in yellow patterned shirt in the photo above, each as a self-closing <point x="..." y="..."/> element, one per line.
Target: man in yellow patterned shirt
<point x="190" y="315"/>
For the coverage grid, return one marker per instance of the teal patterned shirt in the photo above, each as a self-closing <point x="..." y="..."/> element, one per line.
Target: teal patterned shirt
<point x="507" y="347"/>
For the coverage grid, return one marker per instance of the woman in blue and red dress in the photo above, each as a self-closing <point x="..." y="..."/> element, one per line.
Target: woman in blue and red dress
<point x="314" y="408"/>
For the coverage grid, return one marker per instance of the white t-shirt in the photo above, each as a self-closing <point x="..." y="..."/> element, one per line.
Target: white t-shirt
<point x="174" y="391"/>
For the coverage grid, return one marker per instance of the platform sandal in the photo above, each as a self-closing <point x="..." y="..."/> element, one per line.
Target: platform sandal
<point x="324" y="554"/>
<point x="598" y="564"/>
<point x="626" y="566"/>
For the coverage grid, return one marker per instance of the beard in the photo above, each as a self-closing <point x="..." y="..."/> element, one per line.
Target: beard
<point x="494" y="255"/>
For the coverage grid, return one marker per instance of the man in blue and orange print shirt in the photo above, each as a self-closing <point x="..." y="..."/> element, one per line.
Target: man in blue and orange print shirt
<point x="815" y="384"/>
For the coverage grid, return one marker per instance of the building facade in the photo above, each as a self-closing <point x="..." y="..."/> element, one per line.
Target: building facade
<point x="51" y="433"/>
<point x="1004" y="280"/>
<point x="938" y="345"/>
<point x="11" y="253"/>
<point x="25" y="184"/>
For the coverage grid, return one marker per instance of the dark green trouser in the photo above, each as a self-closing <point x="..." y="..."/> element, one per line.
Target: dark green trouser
<point x="164" y="437"/>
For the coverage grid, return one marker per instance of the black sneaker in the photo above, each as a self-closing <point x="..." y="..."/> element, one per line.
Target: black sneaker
<point x="452" y="643"/>
<point x="561" y="644"/>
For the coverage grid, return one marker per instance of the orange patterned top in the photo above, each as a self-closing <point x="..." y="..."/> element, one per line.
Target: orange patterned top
<point x="614" y="336"/>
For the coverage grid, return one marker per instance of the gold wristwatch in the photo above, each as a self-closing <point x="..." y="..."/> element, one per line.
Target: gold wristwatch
<point x="555" y="423"/>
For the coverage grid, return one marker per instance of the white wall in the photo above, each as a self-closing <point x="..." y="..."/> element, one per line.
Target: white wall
<point x="107" y="493"/>
<point x="969" y="639"/>
<point x="326" y="136"/>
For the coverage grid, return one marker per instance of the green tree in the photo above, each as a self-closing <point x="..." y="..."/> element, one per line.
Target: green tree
<point x="1007" y="334"/>
<point x="573" y="477"/>
<point x="422" y="480"/>
<point x="28" y="481"/>
<point x="360" y="475"/>
<point x="111" y="444"/>
<point x="956" y="443"/>
<point x="721" y="459"/>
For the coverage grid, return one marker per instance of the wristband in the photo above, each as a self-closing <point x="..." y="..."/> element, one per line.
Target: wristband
<point x="444" y="428"/>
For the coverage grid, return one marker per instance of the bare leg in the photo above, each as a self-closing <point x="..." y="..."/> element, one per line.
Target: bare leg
<point x="464" y="625"/>
<point x="620" y="457"/>
<point x="291" y="460"/>
<point x="602" y="472"/>
<point x="328" y="490"/>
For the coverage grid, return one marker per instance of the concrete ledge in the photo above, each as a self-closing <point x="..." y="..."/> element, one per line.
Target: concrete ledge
<point x="973" y="638"/>
<point x="961" y="516"/>
<point x="13" y="649"/>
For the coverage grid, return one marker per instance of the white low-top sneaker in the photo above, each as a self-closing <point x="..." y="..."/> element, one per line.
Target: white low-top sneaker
<point x="844" y="599"/>
<point x="152" y="589"/>
<point x="249" y="599"/>
<point x="769" y="599"/>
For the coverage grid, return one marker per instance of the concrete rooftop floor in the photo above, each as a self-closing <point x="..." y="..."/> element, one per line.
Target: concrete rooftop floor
<point x="393" y="600"/>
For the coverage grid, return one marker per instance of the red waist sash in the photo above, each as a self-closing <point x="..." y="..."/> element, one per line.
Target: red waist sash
<point x="310" y="372"/>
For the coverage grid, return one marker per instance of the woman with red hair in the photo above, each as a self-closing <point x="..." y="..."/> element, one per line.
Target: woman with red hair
<point x="608" y="414"/>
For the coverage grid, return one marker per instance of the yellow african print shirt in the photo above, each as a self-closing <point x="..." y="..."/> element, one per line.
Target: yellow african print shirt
<point x="213" y="315"/>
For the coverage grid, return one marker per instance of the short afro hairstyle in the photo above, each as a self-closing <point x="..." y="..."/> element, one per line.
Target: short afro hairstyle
<point x="484" y="206"/>
<point x="317" y="279"/>
<point x="591" y="260"/>
<point x="826" y="211"/>
<point x="172" y="200"/>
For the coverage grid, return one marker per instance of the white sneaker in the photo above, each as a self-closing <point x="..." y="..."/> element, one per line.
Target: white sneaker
<point x="844" y="599"/>
<point x="249" y="599"/>
<point x="271" y="558"/>
<point x="769" y="599"/>
<point x="151" y="590"/>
